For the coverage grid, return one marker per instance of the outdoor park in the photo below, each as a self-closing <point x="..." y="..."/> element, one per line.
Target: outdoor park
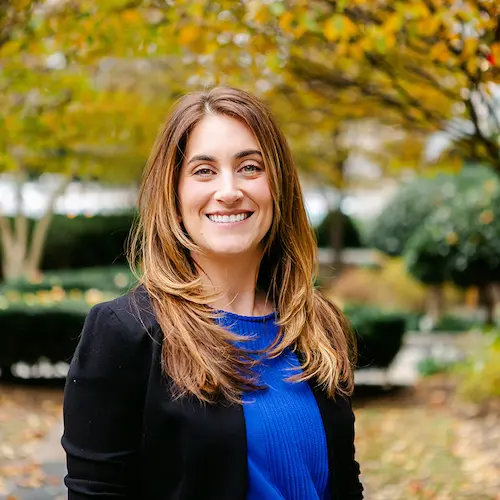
<point x="392" y="110"/>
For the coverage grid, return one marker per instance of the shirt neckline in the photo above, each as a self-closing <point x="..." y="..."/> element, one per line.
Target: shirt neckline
<point x="254" y="319"/>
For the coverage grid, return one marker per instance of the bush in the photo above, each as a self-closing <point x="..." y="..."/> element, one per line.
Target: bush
<point x="432" y="366"/>
<point x="480" y="376"/>
<point x="351" y="237"/>
<point x="388" y="287"/>
<point x="81" y="241"/>
<point x="380" y="335"/>
<point x="412" y="207"/>
<point x="403" y="215"/>
<point x="460" y="241"/>
<point x="30" y="333"/>
<point x="112" y="278"/>
<point x="87" y="241"/>
<point x="453" y="323"/>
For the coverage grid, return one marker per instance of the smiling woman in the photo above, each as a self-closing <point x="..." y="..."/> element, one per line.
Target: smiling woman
<point x="225" y="201"/>
<point x="225" y="374"/>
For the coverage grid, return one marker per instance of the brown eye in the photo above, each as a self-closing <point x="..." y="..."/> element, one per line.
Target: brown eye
<point x="203" y="172"/>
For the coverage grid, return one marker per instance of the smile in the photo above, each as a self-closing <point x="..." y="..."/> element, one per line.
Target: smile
<point x="226" y="219"/>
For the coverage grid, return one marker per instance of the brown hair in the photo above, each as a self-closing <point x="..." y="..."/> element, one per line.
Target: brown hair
<point x="198" y="355"/>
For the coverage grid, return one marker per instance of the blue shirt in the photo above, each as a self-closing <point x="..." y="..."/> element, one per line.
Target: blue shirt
<point x="286" y="442"/>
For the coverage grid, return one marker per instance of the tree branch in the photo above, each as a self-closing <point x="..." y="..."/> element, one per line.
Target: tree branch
<point x="490" y="147"/>
<point x="491" y="109"/>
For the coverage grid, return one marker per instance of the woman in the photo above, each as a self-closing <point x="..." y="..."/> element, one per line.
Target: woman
<point x="225" y="375"/>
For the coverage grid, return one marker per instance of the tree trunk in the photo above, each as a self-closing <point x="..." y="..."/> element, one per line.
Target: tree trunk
<point x="435" y="302"/>
<point x="337" y="238"/>
<point x="487" y="301"/>
<point x="22" y="251"/>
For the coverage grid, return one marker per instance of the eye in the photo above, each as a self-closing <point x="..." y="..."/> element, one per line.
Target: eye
<point x="203" y="172"/>
<point x="250" y="168"/>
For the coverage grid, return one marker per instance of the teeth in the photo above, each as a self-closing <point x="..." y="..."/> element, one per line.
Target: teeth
<point x="228" y="218"/>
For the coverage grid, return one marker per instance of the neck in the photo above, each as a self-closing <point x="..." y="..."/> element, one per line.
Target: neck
<point x="235" y="278"/>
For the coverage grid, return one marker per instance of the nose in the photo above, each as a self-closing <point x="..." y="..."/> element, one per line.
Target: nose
<point x="227" y="191"/>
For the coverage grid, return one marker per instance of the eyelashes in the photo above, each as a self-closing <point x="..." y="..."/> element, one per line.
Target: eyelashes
<point x="249" y="168"/>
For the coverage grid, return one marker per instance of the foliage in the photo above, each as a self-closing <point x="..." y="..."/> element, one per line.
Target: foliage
<point x="380" y="334"/>
<point x="389" y="286"/>
<point x="453" y="323"/>
<point x="416" y="200"/>
<point x="85" y="118"/>
<point x="432" y="366"/>
<point x="69" y="239"/>
<point x="480" y="377"/>
<point x="115" y="279"/>
<point x="403" y="215"/>
<point x="29" y="333"/>
<point x="351" y="237"/>
<point x="433" y="74"/>
<point x="459" y="240"/>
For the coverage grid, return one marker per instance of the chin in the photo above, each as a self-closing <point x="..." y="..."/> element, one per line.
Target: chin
<point x="231" y="249"/>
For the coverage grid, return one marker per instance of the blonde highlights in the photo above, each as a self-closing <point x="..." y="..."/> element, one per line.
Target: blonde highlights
<point x="198" y="355"/>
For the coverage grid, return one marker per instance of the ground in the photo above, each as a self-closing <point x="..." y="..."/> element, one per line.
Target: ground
<point x="412" y="444"/>
<point x="419" y="444"/>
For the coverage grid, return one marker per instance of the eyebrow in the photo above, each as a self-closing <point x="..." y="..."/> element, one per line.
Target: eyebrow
<point x="237" y="156"/>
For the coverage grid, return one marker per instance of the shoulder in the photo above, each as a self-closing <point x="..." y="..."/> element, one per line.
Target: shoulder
<point x="132" y="313"/>
<point x="118" y="331"/>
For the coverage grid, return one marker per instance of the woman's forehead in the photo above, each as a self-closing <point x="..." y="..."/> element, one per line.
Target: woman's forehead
<point x="220" y="134"/>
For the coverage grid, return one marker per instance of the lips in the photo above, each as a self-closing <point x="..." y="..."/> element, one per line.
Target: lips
<point x="229" y="218"/>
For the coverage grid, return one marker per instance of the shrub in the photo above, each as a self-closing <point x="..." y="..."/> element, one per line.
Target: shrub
<point x="112" y="278"/>
<point x="460" y="240"/>
<point x="85" y="241"/>
<point x="380" y="335"/>
<point x="432" y="366"/>
<point x="454" y="323"/>
<point x="351" y="237"/>
<point x="388" y="287"/>
<point x="403" y="215"/>
<point x="410" y="208"/>
<point x="480" y="376"/>
<point x="30" y="333"/>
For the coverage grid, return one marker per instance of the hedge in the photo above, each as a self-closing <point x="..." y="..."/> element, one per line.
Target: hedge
<point x="116" y="279"/>
<point x="28" y="333"/>
<point x="380" y="335"/>
<point x="81" y="241"/>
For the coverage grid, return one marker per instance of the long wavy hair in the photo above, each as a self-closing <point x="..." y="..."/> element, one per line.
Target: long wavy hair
<point x="199" y="356"/>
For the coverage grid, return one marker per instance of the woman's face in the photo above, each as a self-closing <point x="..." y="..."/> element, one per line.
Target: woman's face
<point x="224" y="197"/>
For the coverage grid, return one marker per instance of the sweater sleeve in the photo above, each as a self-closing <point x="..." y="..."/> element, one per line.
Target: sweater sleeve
<point x="103" y="406"/>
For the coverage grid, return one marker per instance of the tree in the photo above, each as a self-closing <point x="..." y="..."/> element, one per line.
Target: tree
<point x="407" y="226"/>
<point x="459" y="241"/>
<point x="430" y="63"/>
<point x="69" y="118"/>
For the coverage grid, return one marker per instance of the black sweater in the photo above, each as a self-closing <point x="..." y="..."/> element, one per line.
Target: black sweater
<point x="126" y="438"/>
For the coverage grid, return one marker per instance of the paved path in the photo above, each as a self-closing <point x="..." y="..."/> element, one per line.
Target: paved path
<point x="402" y="372"/>
<point x="50" y="455"/>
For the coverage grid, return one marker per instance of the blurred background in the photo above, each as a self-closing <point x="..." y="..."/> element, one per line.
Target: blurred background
<point x="392" y="110"/>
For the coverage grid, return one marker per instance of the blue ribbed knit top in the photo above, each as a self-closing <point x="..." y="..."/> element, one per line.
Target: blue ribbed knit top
<point x="286" y="442"/>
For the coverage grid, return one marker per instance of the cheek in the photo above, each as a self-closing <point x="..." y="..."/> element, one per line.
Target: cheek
<point x="192" y="197"/>
<point x="264" y="197"/>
